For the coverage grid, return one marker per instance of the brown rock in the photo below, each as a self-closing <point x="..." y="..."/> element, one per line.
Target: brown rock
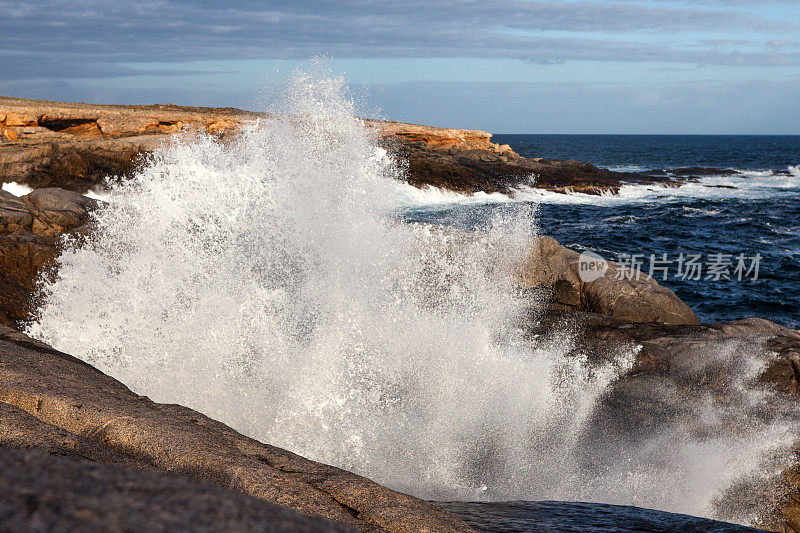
<point x="15" y="302"/>
<point x="87" y="127"/>
<point x="14" y="213"/>
<point x="64" y="392"/>
<point x="20" y="430"/>
<point x="440" y="138"/>
<point x="555" y="267"/>
<point x="637" y="300"/>
<point x="74" y="163"/>
<point x="57" y="210"/>
<point x="22" y="118"/>
<point x="48" y="493"/>
<point x="75" y="146"/>
<point x="119" y="125"/>
<point x="23" y="257"/>
<point x="702" y="381"/>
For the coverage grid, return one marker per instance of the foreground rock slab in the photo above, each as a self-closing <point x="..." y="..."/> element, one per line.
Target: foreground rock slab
<point x="90" y="415"/>
<point x="45" y="493"/>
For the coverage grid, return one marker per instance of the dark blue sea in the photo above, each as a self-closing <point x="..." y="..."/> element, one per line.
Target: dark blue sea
<point x="728" y="245"/>
<point x="744" y="152"/>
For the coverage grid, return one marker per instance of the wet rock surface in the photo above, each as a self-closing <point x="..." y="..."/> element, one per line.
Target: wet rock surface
<point x="30" y="235"/>
<point x="14" y="213"/>
<point x="745" y="372"/>
<point x="56" y="210"/>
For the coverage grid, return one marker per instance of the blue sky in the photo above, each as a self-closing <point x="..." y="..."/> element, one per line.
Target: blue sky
<point x="577" y="66"/>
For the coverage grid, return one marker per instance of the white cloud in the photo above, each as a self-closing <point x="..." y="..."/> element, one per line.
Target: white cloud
<point x="65" y="38"/>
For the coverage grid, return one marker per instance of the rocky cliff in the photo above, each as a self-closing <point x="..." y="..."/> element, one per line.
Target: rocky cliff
<point x="75" y="146"/>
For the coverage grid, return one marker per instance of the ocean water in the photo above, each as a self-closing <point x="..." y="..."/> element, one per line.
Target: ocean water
<point x="581" y="517"/>
<point x="272" y="284"/>
<point x="647" y="152"/>
<point x="719" y="218"/>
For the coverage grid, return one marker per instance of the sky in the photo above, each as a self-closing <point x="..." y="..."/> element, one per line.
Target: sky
<point x="506" y="66"/>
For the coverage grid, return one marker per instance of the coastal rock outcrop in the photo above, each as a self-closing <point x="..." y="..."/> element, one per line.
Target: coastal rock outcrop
<point x="55" y="210"/>
<point x="75" y="146"/>
<point x="30" y="229"/>
<point x="14" y="213"/>
<point x="697" y="384"/>
<point x="24" y="256"/>
<point x="631" y="296"/>
<point x="98" y="429"/>
<point x="91" y="415"/>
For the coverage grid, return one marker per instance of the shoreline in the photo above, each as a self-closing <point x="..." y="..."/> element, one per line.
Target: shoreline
<point x="73" y="146"/>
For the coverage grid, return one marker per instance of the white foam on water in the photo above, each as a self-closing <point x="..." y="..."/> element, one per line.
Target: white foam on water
<point x="627" y="168"/>
<point x="267" y="283"/>
<point x="102" y="196"/>
<point x="748" y="185"/>
<point x="17" y="189"/>
<point x="408" y="195"/>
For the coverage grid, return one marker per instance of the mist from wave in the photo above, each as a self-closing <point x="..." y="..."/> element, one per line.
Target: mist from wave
<point x="268" y="283"/>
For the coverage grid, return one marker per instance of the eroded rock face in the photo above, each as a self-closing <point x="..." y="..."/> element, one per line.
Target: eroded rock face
<point x="30" y="229"/>
<point x="88" y="414"/>
<point x="637" y="298"/>
<point x="23" y="258"/>
<point x="14" y="213"/>
<point x="76" y="146"/>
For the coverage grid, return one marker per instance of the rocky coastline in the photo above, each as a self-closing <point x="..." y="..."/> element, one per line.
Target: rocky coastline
<point x="75" y="146"/>
<point x="75" y="427"/>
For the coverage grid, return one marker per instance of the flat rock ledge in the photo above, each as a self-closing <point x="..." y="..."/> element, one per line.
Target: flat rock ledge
<point x="55" y="403"/>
